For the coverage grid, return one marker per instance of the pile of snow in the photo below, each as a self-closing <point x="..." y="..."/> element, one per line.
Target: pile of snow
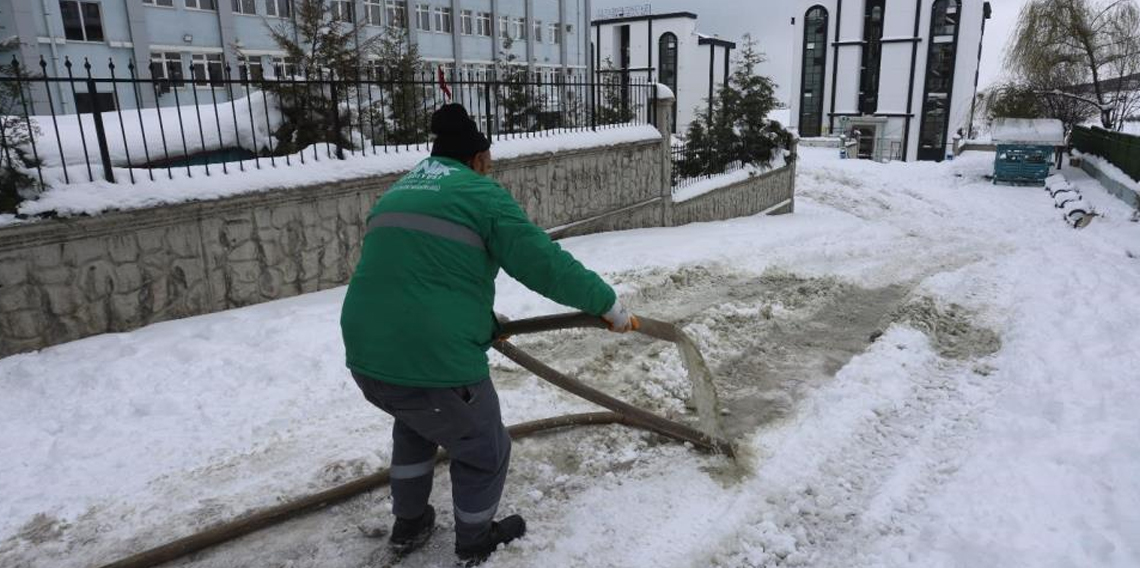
<point x="139" y="136"/>
<point x="1069" y="200"/>
<point x="1110" y="170"/>
<point x="1043" y="131"/>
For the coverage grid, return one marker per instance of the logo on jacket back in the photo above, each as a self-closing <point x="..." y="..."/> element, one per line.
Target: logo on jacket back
<point x="424" y="177"/>
<point x="430" y="170"/>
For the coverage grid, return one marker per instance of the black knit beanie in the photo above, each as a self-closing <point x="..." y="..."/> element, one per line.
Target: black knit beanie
<point x="456" y="135"/>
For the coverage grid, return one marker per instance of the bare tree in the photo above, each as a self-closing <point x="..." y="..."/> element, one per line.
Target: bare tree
<point x="1095" y="43"/>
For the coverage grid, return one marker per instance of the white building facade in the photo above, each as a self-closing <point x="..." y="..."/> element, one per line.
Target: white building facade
<point x="191" y="41"/>
<point x="900" y="76"/>
<point x="667" y="49"/>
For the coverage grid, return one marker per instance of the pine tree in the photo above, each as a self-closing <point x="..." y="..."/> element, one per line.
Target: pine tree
<point x="614" y="105"/>
<point x="399" y="112"/>
<point x="516" y="102"/>
<point x="734" y="125"/>
<point x="326" y="53"/>
<point x="16" y="182"/>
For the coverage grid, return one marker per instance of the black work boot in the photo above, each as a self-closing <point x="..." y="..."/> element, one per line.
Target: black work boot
<point x="502" y="532"/>
<point x="410" y="534"/>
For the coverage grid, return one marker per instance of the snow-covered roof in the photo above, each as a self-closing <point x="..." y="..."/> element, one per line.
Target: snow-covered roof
<point x="1048" y="131"/>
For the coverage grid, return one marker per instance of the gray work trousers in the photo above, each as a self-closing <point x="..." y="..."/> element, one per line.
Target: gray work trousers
<point x="466" y="422"/>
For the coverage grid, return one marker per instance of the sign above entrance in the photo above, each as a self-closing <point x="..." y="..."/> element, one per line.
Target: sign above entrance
<point x="633" y="11"/>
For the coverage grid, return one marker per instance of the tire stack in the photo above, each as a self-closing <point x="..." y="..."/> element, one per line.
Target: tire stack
<point x="1075" y="210"/>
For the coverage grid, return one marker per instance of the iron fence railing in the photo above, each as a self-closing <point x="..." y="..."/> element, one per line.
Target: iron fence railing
<point x="696" y="162"/>
<point x="1123" y="150"/>
<point x="148" y="122"/>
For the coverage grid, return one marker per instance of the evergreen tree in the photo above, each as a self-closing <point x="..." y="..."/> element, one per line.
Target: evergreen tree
<point x="399" y="112"/>
<point x="16" y="160"/>
<point x="614" y="105"/>
<point x="325" y="53"/>
<point x="516" y="101"/>
<point x="734" y="126"/>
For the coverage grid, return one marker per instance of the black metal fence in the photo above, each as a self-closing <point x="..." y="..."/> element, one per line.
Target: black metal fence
<point x="696" y="162"/>
<point x="1123" y="150"/>
<point x="144" y="123"/>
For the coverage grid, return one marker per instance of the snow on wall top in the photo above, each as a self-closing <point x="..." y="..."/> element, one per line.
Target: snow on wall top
<point x="1049" y="131"/>
<point x="92" y="198"/>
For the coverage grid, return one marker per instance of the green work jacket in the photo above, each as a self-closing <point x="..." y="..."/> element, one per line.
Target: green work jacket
<point x="418" y="311"/>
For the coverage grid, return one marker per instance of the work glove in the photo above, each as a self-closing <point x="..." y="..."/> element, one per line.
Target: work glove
<point x="620" y="320"/>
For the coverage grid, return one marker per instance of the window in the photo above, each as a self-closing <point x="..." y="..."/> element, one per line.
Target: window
<point x="667" y="63"/>
<point x="518" y="30"/>
<point x="504" y="26"/>
<point x="872" y="57"/>
<point x="374" y="12"/>
<point x="555" y="34"/>
<point x="166" y="65"/>
<point x="538" y="31"/>
<point x="942" y="51"/>
<point x="206" y="68"/>
<point x="250" y="68"/>
<point x="466" y="22"/>
<point x="667" y="58"/>
<point x="202" y="4"/>
<point x="812" y="74"/>
<point x="245" y="7"/>
<point x="82" y="21"/>
<point x="442" y="19"/>
<point x="397" y="11"/>
<point x="483" y="24"/>
<point x="423" y="17"/>
<point x="278" y="8"/>
<point x="284" y="67"/>
<point x="164" y="3"/>
<point x="343" y="10"/>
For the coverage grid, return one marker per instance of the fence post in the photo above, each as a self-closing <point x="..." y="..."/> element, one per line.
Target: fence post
<point x="663" y="110"/>
<point x="100" y="131"/>
<point x="487" y="110"/>
<point x="336" y="117"/>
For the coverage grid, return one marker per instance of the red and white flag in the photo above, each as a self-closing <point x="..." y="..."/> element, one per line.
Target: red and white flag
<point x="443" y="84"/>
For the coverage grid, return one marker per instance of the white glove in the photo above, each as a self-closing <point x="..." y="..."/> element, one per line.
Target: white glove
<point x="620" y="320"/>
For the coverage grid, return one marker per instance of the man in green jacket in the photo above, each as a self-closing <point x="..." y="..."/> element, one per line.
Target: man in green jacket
<point x="417" y="321"/>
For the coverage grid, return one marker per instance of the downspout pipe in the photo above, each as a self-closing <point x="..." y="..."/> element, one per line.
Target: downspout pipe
<point x="835" y="65"/>
<point x="986" y="12"/>
<point x="910" y="88"/>
<point x="54" y="56"/>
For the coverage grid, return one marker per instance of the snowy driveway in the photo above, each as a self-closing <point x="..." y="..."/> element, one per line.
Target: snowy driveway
<point x="926" y="369"/>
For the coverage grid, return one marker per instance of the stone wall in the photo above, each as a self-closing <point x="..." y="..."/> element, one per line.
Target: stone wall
<point x="70" y="278"/>
<point x="772" y="192"/>
<point x="66" y="279"/>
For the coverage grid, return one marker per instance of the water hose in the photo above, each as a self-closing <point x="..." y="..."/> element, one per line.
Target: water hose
<point x="622" y="413"/>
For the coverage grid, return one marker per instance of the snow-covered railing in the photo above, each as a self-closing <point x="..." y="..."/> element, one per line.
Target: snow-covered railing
<point x="1120" y="149"/>
<point x="152" y="123"/>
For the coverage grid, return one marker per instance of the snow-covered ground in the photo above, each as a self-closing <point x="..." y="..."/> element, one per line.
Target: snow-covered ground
<point x="926" y="370"/>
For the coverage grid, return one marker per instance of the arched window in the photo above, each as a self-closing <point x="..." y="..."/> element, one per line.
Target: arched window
<point x="872" y="56"/>
<point x="667" y="63"/>
<point x="812" y="75"/>
<point x="939" y="83"/>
